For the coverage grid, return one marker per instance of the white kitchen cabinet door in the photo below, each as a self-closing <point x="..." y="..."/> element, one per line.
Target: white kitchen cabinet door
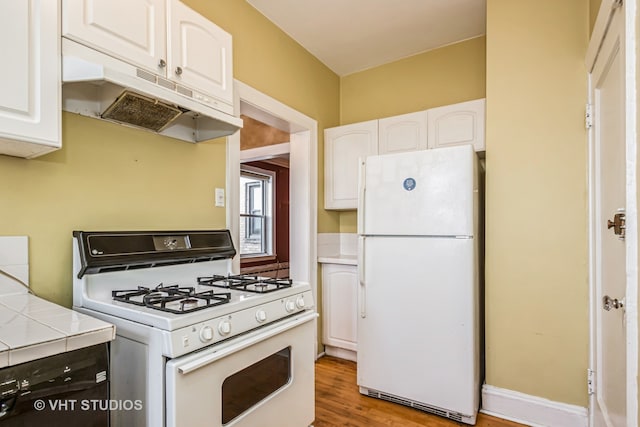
<point x="407" y="132"/>
<point x="132" y="30"/>
<point x="457" y="124"/>
<point x="30" y="77"/>
<point x="340" y="306"/>
<point x="344" y="147"/>
<point x="199" y="53"/>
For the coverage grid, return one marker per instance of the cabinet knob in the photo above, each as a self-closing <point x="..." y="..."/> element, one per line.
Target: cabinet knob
<point x="162" y="63"/>
<point x="178" y="71"/>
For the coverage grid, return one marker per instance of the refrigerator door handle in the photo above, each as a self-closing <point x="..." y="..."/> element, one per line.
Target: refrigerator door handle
<point x="361" y="278"/>
<point x="361" y="191"/>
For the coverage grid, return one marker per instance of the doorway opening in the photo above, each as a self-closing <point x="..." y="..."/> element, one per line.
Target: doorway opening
<point x="302" y="150"/>
<point x="264" y="200"/>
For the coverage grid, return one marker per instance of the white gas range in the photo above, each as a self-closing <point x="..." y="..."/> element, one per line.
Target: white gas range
<point x="194" y="344"/>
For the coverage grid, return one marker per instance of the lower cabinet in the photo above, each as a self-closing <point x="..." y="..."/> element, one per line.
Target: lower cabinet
<point x="340" y="310"/>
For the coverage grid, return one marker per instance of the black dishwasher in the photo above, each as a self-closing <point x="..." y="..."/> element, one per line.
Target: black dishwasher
<point x="67" y="389"/>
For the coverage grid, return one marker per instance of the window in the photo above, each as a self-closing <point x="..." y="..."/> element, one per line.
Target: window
<point x="256" y="211"/>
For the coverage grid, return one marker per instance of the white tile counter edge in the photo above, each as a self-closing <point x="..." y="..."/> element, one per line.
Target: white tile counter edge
<point x="92" y="332"/>
<point x="341" y="259"/>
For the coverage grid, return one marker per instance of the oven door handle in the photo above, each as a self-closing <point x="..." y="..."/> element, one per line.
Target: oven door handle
<point x="247" y="341"/>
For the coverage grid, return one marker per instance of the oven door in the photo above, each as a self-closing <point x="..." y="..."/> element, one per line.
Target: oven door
<point x="264" y="378"/>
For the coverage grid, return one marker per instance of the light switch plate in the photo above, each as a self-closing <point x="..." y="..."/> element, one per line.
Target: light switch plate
<point x="220" y="197"/>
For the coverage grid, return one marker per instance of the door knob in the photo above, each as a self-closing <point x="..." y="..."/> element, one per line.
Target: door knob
<point x="618" y="224"/>
<point x="608" y="303"/>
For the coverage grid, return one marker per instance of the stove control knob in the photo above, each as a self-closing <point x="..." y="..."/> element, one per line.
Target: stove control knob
<point x="290" y="306"/>
<point x="206" y="334"/>
<point x="300" y="302"/>
<point x="261" y="316"/>
<point x="224" y="327"/>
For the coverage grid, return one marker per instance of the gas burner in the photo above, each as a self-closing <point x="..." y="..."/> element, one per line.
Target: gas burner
<point x="172" y="299"/>
<point x="255" y="284"/>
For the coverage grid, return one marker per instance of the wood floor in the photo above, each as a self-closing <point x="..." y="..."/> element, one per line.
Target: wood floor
<point x="338" y="403"/>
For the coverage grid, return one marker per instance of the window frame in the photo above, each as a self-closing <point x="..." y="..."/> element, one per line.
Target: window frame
<point x="269" y="216"/>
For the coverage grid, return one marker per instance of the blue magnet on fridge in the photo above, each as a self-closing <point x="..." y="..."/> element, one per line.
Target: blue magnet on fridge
<point x="409" y="184"/>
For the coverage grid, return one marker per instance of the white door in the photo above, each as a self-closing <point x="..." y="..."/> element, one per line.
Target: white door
<point x="134" y="31"/>
<point x="610" y="200"/>
<point x="199" y="53"/>
<point x="423" y="193"/>
<point x="407" y="132"/>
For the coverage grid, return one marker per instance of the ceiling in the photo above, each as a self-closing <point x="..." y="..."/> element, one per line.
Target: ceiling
<point x="354" y="35"/>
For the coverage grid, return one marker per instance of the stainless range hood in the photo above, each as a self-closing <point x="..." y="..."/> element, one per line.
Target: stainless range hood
<point x="100" y="86"/>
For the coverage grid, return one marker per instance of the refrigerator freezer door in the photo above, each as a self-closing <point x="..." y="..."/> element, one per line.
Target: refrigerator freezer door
<point x="420" y="193"/>
<point x="419" y="337"/>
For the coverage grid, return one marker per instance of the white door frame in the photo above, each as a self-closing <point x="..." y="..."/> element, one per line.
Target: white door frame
<point x="303" y="178"/>
<point x="631" y="297"/>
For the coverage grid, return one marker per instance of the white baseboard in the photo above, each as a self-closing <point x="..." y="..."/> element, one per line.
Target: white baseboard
<point x="531" y="410"/>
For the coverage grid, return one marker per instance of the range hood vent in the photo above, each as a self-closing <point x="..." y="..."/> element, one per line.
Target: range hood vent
<point x="100" y="86"/>
<point x="137" y="110"/>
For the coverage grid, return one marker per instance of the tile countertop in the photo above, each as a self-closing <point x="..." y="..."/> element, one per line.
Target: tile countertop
<point x="31" y="328"/>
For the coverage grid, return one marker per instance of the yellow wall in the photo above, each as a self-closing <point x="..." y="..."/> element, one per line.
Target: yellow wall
<point x="105" y="177"/>
<point x="536" y="198"/>
<point x="270" y="61"/>
<point x="110" y="177"/>
<point x="594" y="6"/>
<point x="451" y="74"/>
<point x="448" y="75"/>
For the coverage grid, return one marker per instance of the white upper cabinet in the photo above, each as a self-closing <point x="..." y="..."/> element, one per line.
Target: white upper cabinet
<point x="457" y="124"/>
<point x="132" y="30"/>
<point x="199" y="53"/>
<point x="30" y="77"/>
<point x="407" y="132"/>
<point x="344" y="147"/>
<point x="164" y="37"/>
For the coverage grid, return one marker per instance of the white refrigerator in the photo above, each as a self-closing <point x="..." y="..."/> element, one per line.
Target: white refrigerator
<point x="418" y="320"/>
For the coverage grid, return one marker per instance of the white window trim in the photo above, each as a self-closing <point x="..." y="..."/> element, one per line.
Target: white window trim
<point x="272" y="239"/>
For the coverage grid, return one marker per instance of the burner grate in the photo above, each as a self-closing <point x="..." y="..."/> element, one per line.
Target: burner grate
<point x="246" y="283"/>
<point x="171" y="299"/>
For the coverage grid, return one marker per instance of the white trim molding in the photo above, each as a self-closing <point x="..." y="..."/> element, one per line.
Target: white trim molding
<point x="266" y="152"/>
<point x="531" y="410"/>
<point x="303" y="178"/>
